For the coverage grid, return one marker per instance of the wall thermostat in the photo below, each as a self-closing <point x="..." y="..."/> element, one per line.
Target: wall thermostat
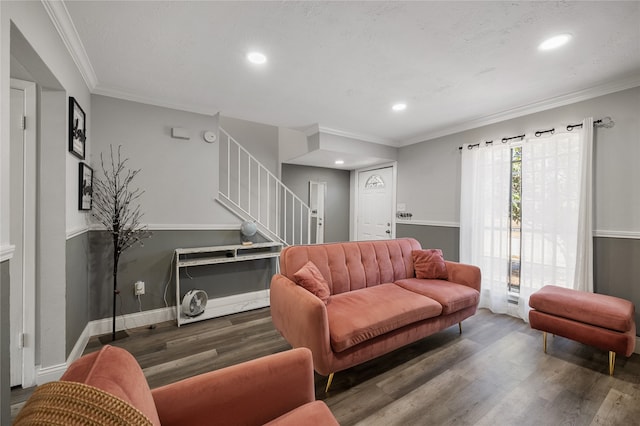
<point x="209" y="136"/>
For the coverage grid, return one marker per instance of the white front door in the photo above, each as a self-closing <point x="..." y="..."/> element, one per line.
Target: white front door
<point x="22" y="225"/>
<point x="375" y="204"/>
<point x="317" y="192"/>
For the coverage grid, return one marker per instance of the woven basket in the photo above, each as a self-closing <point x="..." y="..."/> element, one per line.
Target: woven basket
<point x="72" y="403"/>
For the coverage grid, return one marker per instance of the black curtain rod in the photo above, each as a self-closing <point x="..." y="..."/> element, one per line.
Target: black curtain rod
<point x="473" y="145"/>
<point x="542" y="132"/>
<point x="603" y="122"/>
<point x="505" y="140"/>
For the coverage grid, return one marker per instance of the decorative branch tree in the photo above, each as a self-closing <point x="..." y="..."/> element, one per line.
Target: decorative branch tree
<point x="116" y="206"/>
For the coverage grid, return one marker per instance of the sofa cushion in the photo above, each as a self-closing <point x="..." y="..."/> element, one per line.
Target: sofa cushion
<point x="312" y="413"/>
<point x="360" y="315"/>
<point x="590" y="308"/>
<point x="453" y="297"/>
<point x="116" y="371"/>
<point x="310" y="277"/>
<point x="429" y="264"/>
<point x="353" y="265"/>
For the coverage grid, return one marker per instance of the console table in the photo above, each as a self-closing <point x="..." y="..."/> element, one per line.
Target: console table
<point x="216" y="307"/>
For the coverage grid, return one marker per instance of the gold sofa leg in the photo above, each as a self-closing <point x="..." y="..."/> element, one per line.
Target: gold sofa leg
<point x="329" y="383"/>
<point x="460" y="327"/>
<point x="544" y="341"/>
<point x="612" y="362"/>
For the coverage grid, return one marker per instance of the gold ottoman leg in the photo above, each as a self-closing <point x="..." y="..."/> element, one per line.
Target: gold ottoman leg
<point x="544" y="341"/>
<point x="460" y="327"/>
<point x="612" y="362"/>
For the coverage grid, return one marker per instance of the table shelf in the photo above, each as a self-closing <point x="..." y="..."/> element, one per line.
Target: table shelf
<point x="198" y="256"/>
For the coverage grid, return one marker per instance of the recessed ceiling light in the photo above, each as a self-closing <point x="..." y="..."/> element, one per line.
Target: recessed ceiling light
<point x="399" y="107"/>
<point x="256" y="58"/>
<point x="555" y="42"/>
<point x="339" y="162"/>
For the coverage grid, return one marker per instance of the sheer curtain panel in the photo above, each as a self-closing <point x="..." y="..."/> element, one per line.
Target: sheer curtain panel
<point x="484" y="219"/>
<point x="556" y="213"/>
<point x="556" y="236"/>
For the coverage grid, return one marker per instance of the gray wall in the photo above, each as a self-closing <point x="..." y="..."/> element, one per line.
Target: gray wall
<point x="180" y="180"/>
<point x="429" y="172"/>
<point x="617" y="269"/>
<point x="77" y="270"/>
<point x="429" y="185"/>
<point x="261" y="140"/>
<point x="30" y="38"/>
<point x="337" y="202"/>
<point x="446" y="238"/>
<point x="5" y="388"/>
<point x="152" y="263"/>
<point x="179" y="177"/>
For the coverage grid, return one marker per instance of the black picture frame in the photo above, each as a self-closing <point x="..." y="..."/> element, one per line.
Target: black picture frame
<point x="85" y="187"/>
<point x="77" y="129"/>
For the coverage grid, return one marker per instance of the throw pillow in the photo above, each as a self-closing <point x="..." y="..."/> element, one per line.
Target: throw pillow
<point x="310" y="277"/>
<point x="429" y="264"/>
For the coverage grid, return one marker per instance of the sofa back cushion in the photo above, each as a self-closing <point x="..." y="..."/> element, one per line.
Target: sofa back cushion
<point x="353" y="265"/>
<point x="116" y="371"/>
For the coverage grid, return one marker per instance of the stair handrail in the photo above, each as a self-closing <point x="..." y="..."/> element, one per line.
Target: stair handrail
<point x="279" y="184"/>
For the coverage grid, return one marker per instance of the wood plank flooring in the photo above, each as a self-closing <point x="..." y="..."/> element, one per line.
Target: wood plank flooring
<point x="495" y="373"/>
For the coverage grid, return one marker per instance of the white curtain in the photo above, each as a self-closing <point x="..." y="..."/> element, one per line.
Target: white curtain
<point x="556" y="213"/>
<point x="484" y="219"/>
<point x="556" y="227"/>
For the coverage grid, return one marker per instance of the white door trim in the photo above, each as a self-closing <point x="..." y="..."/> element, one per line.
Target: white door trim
<point x="29" y="266"/>
<point x="317" y="197"/>
<point x="356" y="195"/>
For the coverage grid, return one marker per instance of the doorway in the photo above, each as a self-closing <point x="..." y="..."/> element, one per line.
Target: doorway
<point x="375" y="200"/>
<point x="317" y="196"/>
<point x="22" y="268"/>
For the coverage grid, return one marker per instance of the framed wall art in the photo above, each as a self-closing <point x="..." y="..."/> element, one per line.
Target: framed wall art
<point x="77" y="128"/>
<point x="85" y="185"/>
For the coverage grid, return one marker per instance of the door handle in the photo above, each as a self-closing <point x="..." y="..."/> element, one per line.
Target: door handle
<point x="388" y="231"/>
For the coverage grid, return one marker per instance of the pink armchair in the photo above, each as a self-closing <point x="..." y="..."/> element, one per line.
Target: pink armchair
<point x="275" y="390"/>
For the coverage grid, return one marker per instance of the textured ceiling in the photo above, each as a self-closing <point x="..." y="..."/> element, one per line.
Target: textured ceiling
<point x="342" y="65"/>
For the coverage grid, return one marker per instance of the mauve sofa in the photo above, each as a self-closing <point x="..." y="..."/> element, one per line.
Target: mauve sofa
<point x="276" y="390"/>
<point x="376" y="303"/>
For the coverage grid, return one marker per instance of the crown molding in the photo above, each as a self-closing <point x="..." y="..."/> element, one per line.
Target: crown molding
<point x="559" y="101"/>
<point x="364" y="138"/>
<point x="61" y="20"/>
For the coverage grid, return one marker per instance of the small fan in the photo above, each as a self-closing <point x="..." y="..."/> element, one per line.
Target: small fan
<point x="194" y="303"/>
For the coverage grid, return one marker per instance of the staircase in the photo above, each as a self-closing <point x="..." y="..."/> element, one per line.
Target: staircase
<point x="253" y="193"/>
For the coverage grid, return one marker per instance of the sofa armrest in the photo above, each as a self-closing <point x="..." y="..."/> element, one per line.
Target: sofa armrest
<point x="462" y="273"/>
<point x="254" y="392"/>
<point x="302" y="320"/>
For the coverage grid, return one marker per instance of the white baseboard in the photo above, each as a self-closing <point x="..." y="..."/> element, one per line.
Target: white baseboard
<point x="138" y="319"/>
<point x="49" y="374"/>
<point x="81" y="343"/>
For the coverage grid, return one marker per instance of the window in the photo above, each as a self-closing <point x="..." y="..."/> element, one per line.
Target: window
<point x="515" y="196"/>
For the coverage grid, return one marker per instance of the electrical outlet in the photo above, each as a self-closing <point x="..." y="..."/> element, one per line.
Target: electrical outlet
<point x="138" y="288"/>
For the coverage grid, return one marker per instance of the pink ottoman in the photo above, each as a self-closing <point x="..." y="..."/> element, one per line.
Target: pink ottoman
<point x="605" y="322"/>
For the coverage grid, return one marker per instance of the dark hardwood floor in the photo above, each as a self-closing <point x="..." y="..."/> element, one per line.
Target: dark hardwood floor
<point x="495" y="373"/>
